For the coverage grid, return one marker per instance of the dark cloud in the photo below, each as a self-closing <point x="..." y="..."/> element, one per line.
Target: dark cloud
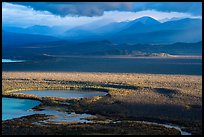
<point x="78" y="8"/>
<point x="194" y="8"/>
<point x="98" y="8"/>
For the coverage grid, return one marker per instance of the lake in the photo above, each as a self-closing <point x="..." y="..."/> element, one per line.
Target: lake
<point x="15" y="108"/>
<point x="63" y="93"/>
<point x="11" y="60"/>
<point x="186" y="66"/>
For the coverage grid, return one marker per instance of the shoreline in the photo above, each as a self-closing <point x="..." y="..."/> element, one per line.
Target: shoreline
<point x="128" y="56"/>
<point x="143" y="121"/>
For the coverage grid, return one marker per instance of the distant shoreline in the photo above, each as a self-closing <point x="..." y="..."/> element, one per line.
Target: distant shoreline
<point x="125" y="56"/>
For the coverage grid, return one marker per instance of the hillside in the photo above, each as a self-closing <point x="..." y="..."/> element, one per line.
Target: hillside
<point x="10" y="39"/>
<point x="66" y="48"/>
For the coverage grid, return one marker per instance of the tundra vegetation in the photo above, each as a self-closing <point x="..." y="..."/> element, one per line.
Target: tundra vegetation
<point x="175" y="99"/>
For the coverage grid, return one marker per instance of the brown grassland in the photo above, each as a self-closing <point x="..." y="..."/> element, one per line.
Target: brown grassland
<point x="175" y="99"/>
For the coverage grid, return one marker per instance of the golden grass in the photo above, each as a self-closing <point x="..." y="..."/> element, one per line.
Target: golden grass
<point x="191" y="85"/>
<point x="129" y="94"/>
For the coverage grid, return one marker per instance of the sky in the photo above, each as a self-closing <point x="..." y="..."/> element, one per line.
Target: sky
<point x="72" y="14"/>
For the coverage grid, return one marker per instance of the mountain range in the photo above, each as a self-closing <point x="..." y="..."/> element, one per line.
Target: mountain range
<point x="142" y="30"/>
<point x="11" y="39"/>
<point x="143" y="35"/>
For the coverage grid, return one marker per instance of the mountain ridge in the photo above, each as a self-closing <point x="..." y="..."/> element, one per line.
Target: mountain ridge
<point x="145" y="30"/>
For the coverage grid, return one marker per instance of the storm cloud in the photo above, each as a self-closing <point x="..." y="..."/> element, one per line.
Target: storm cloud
<point x="98" y="8"/>
<point x="78" y="8"/>
<point x="195" y="8"/>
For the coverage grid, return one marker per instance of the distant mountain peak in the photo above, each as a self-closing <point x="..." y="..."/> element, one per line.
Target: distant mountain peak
<point x="147" y="20"/>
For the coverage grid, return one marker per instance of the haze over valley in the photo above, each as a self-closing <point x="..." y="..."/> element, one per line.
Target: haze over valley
<point x="123" y="38"/>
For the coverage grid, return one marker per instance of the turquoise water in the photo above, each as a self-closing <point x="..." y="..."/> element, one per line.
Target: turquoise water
<point x="62" y="117"/>
<point x="63" y="93"/>
<point x="15" y="108"/>
<point x="10" y="60"/>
